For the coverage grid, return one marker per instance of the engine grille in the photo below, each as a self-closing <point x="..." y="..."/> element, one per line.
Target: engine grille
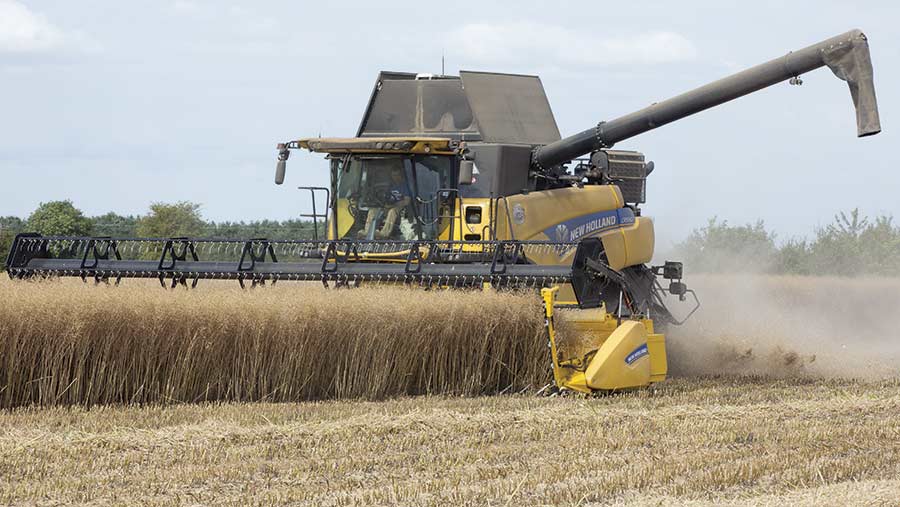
<point x="627" y="170"/>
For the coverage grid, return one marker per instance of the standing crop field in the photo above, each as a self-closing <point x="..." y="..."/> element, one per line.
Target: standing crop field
<point x="786" y="391"/>
<point x="64" y="343"/>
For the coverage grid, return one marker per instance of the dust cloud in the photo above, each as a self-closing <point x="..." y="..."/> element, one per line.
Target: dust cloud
<point x="788" y="326"/>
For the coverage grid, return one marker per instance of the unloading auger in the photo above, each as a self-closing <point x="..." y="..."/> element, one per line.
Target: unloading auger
<point x="465" y="182"/>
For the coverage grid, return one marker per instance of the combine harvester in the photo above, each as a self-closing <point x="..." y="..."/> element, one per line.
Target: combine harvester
<point x="464" y="182"/>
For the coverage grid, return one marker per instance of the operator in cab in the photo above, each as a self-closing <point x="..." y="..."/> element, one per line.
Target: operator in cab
<point x="397" y="197"/>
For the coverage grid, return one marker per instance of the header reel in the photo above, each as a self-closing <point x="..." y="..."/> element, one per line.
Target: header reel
<point x="174" y="261"/>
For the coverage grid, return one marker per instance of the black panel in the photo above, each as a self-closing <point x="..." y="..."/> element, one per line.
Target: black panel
<point x="510" y="108"/>
<point x="512" y="174"/>
<point x="502" y="170"/>
<point x="403" y="105"/>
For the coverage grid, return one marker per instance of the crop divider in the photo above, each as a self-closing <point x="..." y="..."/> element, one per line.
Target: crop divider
<point x="502" y="258"/>
<point x="414" y="260"/>
<point x="26" y="246"/>
<point x="171" y="256"/>
<point x="99" y="249"/>
<point x="255" y="250"/>
<point x="332" y="258"/>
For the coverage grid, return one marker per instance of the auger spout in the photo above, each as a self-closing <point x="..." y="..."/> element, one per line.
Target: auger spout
<point x="847" y="55"/>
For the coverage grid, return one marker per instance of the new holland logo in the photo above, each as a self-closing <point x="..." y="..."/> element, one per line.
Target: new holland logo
<point x="636" y="354"/>
<point x="592" y="224"/>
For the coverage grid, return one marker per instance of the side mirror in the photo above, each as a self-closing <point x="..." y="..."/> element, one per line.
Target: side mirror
<point x="279" y="172"/>
<point x="283" y="154"/>
<point x="466" y="170"/>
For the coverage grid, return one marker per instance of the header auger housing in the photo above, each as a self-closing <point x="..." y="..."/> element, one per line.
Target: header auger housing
<point x="464" y="181"/>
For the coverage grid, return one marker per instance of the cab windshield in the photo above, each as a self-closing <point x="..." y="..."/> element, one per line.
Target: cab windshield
<point x="391" y="197"/>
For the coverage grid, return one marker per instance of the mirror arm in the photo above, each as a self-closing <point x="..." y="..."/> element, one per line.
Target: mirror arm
<point x="280" y="166"/>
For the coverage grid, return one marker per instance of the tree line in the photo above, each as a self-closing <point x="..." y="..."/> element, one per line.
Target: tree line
<point x="62" y="218"/>
<point x="851" y="245"/>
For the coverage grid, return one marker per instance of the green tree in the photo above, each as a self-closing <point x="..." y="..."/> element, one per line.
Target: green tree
<point x="9" y="227"/>
<point x="837" y="249"/>
<point x="58" y="218"/>
<point x="793" y="257"/>
<point x="171" y="220"/>
<point x="854" y="245"/>
<point x="720" y="247"/>
<point x="881" y="247"/>
<point x="270" y="229"/>
<point x="851" y="245"/>
<point x="113" y="224"/>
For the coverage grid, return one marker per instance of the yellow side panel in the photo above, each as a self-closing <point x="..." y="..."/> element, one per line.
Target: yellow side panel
<point x="614" y="245"/>
<point x="461" y="229"/>
<point x="622" y="361"/>
<point x="639" y="241"/>
<point x="345" y="220"/>
<point x="529" y="215"/>
<point x="659" y="366"/>
<point x="541" y="209"/>
<point x="630" y="246"/>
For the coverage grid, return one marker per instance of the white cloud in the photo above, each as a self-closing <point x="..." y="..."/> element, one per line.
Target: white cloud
<point x="531" y="42"/>
<point x="23" y="31"/>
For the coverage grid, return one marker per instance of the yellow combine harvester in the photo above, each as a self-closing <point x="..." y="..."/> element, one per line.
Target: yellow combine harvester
<point x="465" y="182"/>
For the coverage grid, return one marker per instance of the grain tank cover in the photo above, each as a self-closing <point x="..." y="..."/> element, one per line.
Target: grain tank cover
<point x="510" y="108"/>
<point x="478" y="106"/>
<point x="402" y="105"/>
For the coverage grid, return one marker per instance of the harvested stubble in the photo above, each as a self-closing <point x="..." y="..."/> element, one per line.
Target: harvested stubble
<point x="706" y="441"/>
<point x="64" y="343"/>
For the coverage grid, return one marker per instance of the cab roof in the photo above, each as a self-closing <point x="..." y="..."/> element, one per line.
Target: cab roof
<point x="416" y="145"/>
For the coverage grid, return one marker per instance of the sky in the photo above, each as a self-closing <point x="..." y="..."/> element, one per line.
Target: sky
<point x="116" y="105"/>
